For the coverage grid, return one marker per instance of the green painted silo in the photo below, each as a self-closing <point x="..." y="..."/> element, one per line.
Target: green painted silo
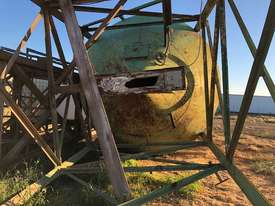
<point x="153" y="117"/>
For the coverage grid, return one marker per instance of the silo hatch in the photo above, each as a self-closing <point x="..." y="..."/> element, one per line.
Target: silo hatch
<point x="163" y="80"/>
<point x="142" y="82"/>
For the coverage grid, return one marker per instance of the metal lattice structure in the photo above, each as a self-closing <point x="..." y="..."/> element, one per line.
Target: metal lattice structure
<point x="30" y="118"/>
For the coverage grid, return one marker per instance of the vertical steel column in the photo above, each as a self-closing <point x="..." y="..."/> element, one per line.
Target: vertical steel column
<point x="217" y="82"/>
<point x="206" y="84"/>
<point x="95" y="104"/>
<point x="167" y="18"/>
<point x="257" y="67"/>
<point x="214" y="70"/>
<point x="14" y="95"/>
<point x="51" y="83"/>
<point x="225" y="105"/>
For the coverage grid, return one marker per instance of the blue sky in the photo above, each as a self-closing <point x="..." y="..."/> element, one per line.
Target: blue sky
<point x="16" y="16"/>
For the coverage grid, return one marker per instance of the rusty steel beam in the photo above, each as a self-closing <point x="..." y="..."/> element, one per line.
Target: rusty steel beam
<point x="205" y="13"/>
<point x="225" y="78"/>
<point x="20" y="74"/>
<point x="12" y="155"/>
<point x="87" y="1"/>
<point x="146" y="5"/>
<point x="214" y="72"/>
<point x="167" y="12"/>
<point x="167" y="18"/>
<point x="129" y="12"/>
<point x="33" y="68"/>
<point x="51" y="82"/>
<point x="95" y="104"/>
<point x="123" y="26"/>
<point x="206" y="82"/>
<point x="54" y="11"/>
<point x="64" y="123"/>
<point x="70" y="89"/>
<point x="217" y="80"/>
<point x="256" y="70"/>
<point x="54" y="3"/>
<point x="133" y="9"/>
<point x="105" y="23"/>
<point x="58" y="43"/>
<point x="28" y="126"/>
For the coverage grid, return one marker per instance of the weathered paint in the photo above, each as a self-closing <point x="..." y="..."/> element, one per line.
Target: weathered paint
<point x="153" y="117"/>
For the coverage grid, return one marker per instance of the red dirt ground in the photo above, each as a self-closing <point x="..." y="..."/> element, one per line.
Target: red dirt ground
<point x="257" y="144"/>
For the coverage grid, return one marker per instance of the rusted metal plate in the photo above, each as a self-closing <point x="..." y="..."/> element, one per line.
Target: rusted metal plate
<point x="165" y="80"/>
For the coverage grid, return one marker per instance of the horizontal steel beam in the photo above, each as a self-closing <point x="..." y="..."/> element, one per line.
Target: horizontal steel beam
<point x="171" y="187"/>
<point x="123" y="26"/>
<point x="162" y="144"/>
<point x="133" y="9"/>
<point x="130" y="12"/>
<point x="161" y="168"/>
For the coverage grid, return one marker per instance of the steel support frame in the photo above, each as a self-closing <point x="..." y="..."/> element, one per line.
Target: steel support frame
<point x="254" y="196"/>
<point x="94" y="101"/>
<point x="172" y="187"/>
<point x="258" y="69"/>
<point x="23" y="196"/>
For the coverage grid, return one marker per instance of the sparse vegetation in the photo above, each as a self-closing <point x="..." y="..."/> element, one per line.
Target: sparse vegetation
<point x="66" y="192"/>
<point x="264" y="163"/>
<point x="143" y="183"/>
<point x="12" y="182"/>
<point x="266" y="167"/>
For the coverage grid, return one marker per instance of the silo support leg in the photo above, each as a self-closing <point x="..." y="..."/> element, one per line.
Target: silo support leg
<point x="206" y="84"/>
<point x="217" y="80"/>
<point x="51" y="83"/>
<point x="257" y="68"/>
<point x="251" y="192"/>
<point x="94" y="101"/>
<point x="213" y="73"/>
<point x="225" y="80"/>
